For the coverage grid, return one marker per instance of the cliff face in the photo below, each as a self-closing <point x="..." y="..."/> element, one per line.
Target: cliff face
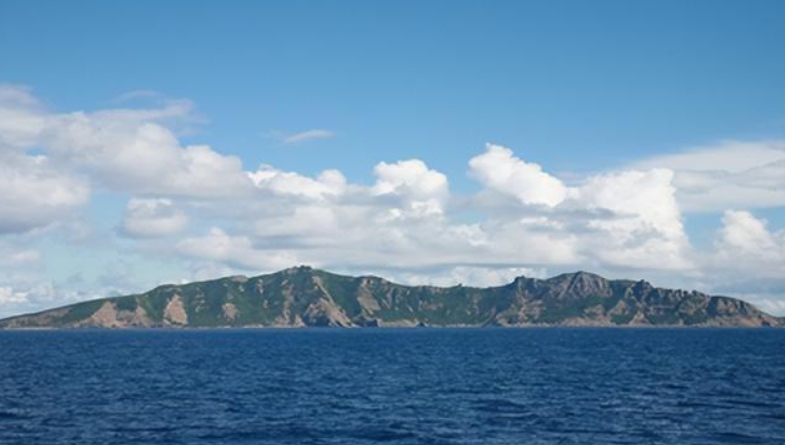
<point x="301" y="296"/>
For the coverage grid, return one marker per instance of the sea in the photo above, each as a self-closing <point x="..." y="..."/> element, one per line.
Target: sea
<point x="393" y="386"/>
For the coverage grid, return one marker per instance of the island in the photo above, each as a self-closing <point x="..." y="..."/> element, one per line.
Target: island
<point x="306" y="297"/>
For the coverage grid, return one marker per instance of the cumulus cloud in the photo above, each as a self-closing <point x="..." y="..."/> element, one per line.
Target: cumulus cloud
<point x="617" y="220"/>
<point x="149" y="218"/>
<point x="128" y="150"/>
<point x="643" y="200"/>
<point x="499" y="170"/>
<point x="627" y="218"/>
<point x="643" y="227"/>
<point x="143" y="157"/>
<point x="328" y="183"/>
<point x="124" y="150"/>
<point x="746" y="241"/>
<point x="35" y="193"/>
<point x="423" y="192"/>
<point x="746" y="260"/>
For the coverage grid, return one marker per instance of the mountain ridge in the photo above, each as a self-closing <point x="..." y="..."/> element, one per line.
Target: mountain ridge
<point x="302" y="296"/>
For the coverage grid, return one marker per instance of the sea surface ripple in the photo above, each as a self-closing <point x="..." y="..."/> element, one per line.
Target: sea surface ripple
<point x="395" y="386"/>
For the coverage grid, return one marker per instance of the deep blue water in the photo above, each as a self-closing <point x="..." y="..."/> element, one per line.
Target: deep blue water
<point x="407" y="386"/>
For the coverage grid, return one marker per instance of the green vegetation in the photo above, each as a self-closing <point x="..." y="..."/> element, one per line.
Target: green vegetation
<point x="319" y="298"/>
<point x="622" y="319"/>
<point x="666" y="318"/>
<point x="80" y="311"/>
<point x="154" y="303"/>
<point x="695" y="318"/>
<point x="556" y="311"/>
<point x="126" y="303"/>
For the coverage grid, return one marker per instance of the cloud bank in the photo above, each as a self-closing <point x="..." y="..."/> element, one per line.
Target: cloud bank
<point x="203" y="210"/>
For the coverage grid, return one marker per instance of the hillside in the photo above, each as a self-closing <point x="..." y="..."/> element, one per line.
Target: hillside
<point x="302" y="296"/>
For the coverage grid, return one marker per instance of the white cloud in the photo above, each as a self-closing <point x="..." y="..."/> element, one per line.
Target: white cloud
<point x="745" y="241"/>
<point x="308" y="135"/>
<point x="35" y="193"/>
<point x="741" y="230"/>
<point x="629" y="218"/>
<point x="466" y="276"/>
<point x="33" y="295"/>
<point x="10" y="296"/>
<point x="410" y="178"/>
<point x="23" y="256"/>
<point x="499" y="170"/>
<point x="17" y="95"/>
<point x="747" y="261"/>
<point x="643" y="200"/>
<point x="21" y="121"/>
<point x="138" y="94"/>
<point x="616" y="220"/>
<point x="143" y="157"/>
<point x="644" y="229"/>
<point x="328" y="183"/>
<point x="149" y="218"/>
<point x="729" y="156"/>
<point x="422" y="192"/>
<point x="732" y="174"/>
<point x="238" y="251"/>
<point x="126" y="150"/>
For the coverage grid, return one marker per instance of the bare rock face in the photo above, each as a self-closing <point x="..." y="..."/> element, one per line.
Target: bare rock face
<point x="303" y="297"/>
<point x="326" y="313"/>
<point x="174" y="313"/>
<point x="366" y="299"/>
<point x="105" y="316"/>
<point x="109" y="316"/>
<point x="230" y="311"/>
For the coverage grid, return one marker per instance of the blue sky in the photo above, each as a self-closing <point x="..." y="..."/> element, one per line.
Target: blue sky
<point x="426" y="79"/>
<point x="587" y="92"/>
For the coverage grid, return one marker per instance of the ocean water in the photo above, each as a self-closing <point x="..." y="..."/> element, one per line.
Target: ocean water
<point x="397" y="386"/>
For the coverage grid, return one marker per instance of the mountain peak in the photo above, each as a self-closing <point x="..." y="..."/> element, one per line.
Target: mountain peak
<point x="579" y="279"/>
<point x="294" y="270"/>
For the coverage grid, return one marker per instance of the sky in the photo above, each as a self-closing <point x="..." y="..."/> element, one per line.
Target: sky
<point x="428" y="142"/>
